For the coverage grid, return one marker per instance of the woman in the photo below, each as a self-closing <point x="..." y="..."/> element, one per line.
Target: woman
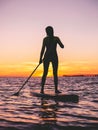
<point x="50" y="55"/>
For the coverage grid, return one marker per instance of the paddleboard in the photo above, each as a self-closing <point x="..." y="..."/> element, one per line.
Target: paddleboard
<point x="58" y="97"/>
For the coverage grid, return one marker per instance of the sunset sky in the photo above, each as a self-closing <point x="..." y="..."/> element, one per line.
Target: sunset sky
<point x="22" y="29"/>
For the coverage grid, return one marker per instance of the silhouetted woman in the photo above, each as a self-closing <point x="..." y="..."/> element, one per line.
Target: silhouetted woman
<point x="50" y="55"/>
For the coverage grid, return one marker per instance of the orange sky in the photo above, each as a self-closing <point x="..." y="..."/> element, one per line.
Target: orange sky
<point x="22" y="29"/>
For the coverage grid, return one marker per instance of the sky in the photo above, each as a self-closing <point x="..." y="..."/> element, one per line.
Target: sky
<point x="22" y="29"/>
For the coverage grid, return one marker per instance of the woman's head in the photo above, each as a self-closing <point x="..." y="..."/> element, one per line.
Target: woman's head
<point x="49" y="31"/>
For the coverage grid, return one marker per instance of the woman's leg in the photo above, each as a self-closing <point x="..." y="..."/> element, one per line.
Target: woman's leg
<point x="55" y="73"/>
<point x="45" y="66"/>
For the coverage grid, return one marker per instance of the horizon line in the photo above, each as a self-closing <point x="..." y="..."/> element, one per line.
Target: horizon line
<point x="67" y="75"/>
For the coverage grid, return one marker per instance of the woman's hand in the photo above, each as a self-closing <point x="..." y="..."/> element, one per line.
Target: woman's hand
<point x="40" y="61"/>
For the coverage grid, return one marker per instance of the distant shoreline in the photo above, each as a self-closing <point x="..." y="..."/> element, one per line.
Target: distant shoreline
<point x="94" y="75"/>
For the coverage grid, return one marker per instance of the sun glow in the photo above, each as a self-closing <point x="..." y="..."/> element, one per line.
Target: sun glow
<point x="68" y="68"/>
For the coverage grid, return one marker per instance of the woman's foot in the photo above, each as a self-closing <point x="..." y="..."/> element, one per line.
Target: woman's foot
<point x="57" y="91"/>
<point x="42" y="92"/>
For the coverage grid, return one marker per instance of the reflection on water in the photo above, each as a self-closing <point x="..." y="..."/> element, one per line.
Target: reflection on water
<point x="26" y="111"/>
<point x="48" y="112"/>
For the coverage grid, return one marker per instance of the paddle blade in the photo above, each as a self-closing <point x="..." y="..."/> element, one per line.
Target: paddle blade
<point x="16" y="94"/>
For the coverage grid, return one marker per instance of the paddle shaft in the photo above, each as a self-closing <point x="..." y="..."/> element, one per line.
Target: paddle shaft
<point x="28" y="77"/>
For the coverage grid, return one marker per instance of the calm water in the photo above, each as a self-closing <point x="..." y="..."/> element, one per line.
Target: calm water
<point x="29" y="112"/>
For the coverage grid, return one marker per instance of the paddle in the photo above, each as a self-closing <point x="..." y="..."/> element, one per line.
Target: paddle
<point x="17" y="94"/>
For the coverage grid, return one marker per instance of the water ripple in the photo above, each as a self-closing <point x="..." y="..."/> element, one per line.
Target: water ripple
<point x="27" y="111"/>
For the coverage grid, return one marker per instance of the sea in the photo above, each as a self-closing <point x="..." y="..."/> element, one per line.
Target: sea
<point x="27" y="112"/>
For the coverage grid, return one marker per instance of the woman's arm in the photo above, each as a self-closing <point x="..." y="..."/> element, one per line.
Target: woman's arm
<point x="60" y="43"/>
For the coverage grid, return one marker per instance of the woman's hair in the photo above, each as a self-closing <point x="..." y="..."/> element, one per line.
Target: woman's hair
<point x="49" y="31"/>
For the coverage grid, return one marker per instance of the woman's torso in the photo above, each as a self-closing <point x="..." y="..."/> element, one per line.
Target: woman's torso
<point x="51" y="45"/>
